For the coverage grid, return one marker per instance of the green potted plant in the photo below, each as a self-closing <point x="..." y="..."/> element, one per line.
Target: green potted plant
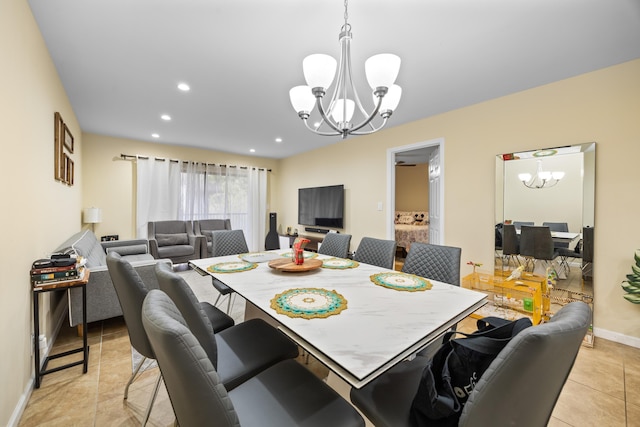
<point x="632" y="285"/>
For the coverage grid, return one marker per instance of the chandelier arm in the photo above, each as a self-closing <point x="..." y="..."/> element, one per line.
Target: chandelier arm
<point x="317" y="132"/>
<point x="324" y="116"/>
<point x="369" y="119"/>
<point x="373" y="130"/>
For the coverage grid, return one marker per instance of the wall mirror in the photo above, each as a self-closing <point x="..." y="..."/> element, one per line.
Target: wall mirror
<point x="550" y="185"/>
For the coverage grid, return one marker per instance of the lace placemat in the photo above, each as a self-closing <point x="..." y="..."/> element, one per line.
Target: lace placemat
<point x="305" y="254"/>
<point x="309" y="303"/>
<point x="401" y="281"/>
<point x="339" y="263"/>
<point x="232" y="267"/>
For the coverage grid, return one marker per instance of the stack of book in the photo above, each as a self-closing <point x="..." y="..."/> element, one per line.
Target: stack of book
<point x="51" y="274"/>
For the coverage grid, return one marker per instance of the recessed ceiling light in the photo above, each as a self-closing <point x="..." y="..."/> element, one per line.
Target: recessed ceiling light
<point x="184" y="87"/>
<point x="252" y="150"/>
<point x="165" y="117"/>
<point x="155" y="135"/>
<point x="316" y="125"/>
<point x="278" y="139"/>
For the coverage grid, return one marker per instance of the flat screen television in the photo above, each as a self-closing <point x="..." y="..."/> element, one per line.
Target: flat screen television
<point x="321" y="206"/>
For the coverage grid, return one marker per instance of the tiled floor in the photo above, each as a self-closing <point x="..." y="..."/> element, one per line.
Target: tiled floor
<point x="602" y="390"/>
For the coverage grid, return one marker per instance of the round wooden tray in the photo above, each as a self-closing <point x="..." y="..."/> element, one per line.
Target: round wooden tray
<point x="287" y="264"/>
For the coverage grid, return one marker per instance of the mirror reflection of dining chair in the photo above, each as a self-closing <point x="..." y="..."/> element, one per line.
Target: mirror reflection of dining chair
<point x="536" y="244"/>
<point x="558" y="226"/>
<point x="587" y="252"/>
<point x="519" y="224"/>
<point x="510" y="247"/>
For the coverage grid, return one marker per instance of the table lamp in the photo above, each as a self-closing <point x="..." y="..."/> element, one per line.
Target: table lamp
<point x="92" y="216"/>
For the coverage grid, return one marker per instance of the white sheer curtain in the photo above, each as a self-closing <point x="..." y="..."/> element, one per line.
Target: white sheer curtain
<point x="157" y="192"/>
<point x="257" y="208"/>
<point x="193" y="191"/>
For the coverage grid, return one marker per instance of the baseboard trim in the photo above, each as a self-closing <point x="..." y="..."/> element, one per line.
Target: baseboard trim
<point x="22" y="404"/>
<point x="617" y="337"/>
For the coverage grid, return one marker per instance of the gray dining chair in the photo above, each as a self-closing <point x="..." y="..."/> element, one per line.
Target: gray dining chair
<point x="519" y="388"/>
<point x="536" y="244"/>
<point x="336" y="245"/>
<point x="237" y="353"/>
<point x="285" y="395"/>
<point x="131" y="291"/>
<point x="441" y="263"/>
<point x="376" y="252"/>
<point x="587" y="252"/>
<point x="204" y="227"/>
<point x="223" y="243"/>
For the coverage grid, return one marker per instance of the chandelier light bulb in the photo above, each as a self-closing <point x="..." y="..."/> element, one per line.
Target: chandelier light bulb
<point x="524" y="177"/>
<point x="390" y="101"/>
<point x="338" y="110"/>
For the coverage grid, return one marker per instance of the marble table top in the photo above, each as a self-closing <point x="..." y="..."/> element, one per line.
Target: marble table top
<point x="380" y="326"/>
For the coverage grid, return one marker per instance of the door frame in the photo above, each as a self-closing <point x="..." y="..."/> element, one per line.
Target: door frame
<point x="391" y="183"/>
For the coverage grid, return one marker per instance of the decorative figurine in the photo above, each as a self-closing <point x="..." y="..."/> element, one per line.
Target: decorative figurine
<point x="298" y="249"/>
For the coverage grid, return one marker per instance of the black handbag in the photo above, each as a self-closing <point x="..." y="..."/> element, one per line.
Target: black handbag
<point x="451" y="375"/>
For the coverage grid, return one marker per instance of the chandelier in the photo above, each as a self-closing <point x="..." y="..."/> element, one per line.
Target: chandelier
<point x="541" y="179"/>
<point x="319" y="72"/>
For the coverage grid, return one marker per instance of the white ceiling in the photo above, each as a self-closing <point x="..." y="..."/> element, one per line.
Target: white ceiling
<point x="120" y="60"/>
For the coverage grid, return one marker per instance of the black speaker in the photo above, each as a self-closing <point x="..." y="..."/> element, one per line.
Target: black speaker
<point x="272" y="241"/>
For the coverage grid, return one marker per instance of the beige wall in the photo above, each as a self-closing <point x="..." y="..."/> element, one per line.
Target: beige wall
<point x="110" y="181"/>
<point x="602" y="106"/>
<point x="37" y="212"/>
<point x="412" y="188"/>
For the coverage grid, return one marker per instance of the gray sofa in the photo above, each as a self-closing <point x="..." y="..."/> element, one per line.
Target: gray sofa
<point x="102" y="301"/>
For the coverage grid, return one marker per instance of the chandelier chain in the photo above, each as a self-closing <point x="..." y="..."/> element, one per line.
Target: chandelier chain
<point x="346" y="14"/>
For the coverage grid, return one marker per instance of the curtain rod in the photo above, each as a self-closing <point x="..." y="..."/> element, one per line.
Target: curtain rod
<point x="134" y="157"/>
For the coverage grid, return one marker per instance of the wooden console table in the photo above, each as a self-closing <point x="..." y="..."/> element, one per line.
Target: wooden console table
<point x="57" y="286"/>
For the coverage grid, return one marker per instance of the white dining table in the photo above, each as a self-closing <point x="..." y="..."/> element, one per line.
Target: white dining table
<point x="379" y="327"/>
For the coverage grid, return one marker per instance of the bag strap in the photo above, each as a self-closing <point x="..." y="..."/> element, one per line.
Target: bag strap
<point x="492" y="341"/>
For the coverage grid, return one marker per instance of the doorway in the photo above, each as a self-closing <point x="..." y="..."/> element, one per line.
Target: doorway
<point x="429" y="154"/>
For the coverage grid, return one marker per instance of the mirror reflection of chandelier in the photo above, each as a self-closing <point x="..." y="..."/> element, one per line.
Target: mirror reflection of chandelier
<point x="541" y="179"/>
<point x="320" y="71"/>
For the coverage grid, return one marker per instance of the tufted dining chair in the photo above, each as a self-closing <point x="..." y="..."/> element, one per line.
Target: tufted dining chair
<point x="520" y="387"/>
<point x="441" y="263"/>
<point x="223" y="243"/>
<point x="284" y="395"/>
<point x="205" y="227"/>
<point x="376" y="252"/>
<point x="336" y="245"/>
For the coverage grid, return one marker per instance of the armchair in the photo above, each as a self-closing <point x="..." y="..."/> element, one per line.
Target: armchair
<point x="174" y="240"/>
<point x="205" y="227"/>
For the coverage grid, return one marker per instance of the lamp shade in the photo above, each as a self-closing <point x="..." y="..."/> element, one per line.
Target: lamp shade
<point x="92" y="215"/>
<point x="382" y="70"/>
<point x="302" y="99"/>
<point x="338" y="110"/>
<point x="319" y="70"/>
<point x="391" y="99"/>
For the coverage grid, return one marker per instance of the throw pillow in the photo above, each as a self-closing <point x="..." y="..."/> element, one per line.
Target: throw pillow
<point x="406" y="219"/>
<point x="129" y="249"/>
<point x="172" y="239"/>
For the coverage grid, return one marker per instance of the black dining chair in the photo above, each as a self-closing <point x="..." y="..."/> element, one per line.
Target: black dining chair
<point x="520" y="387"/>
<point x="587" y="252"/>
<point x="519" y="224"/>
<point x="510" y="246"/>
<point x="558" y="226"/>
<point x="376" y="252"/>
<point x="284" y="395"/>
<point x="536" y="244"/>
